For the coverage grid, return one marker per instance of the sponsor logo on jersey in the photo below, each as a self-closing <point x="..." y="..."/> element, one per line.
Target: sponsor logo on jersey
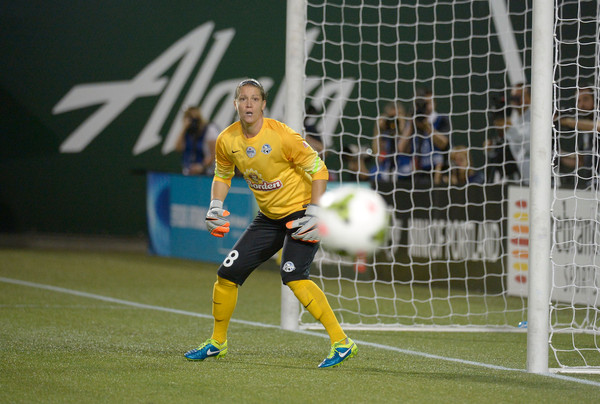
<point x="256" y="181"/>
<point x="250" y="151"/>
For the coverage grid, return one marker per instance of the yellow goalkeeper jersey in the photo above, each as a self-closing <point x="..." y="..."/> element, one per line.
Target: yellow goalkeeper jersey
<point x="277" y="163"/>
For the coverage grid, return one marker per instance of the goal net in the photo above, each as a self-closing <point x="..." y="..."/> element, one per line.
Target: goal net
<point x="575" y="255"/>
<point x="426" y="102"/>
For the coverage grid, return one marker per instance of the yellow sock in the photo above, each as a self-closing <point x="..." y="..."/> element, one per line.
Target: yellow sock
<point x="224" y="300"/>
<point x="315" y="301"/>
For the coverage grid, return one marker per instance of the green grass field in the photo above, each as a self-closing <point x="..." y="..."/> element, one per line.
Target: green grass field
<point x="85" y="327"/>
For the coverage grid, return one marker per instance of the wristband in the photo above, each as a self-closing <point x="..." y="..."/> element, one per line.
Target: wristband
<point x="216" y="203"/>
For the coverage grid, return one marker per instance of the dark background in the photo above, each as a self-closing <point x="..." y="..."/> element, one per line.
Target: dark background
<point x="50" y="47"/>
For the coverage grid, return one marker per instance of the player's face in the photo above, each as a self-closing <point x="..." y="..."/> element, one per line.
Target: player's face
<point x="250" y="104"/>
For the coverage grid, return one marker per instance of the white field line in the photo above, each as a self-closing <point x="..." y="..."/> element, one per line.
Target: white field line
<point x="264" y="325"/>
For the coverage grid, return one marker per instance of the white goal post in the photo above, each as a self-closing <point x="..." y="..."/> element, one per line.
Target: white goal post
<point x="294" y="114"/>
<point x="540" y="187"/>
<point x="467" y="117"/>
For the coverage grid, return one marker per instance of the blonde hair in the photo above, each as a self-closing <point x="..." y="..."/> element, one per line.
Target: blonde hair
<point x="252" y="82"/>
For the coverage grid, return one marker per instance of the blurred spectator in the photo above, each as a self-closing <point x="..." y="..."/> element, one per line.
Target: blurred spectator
<point x="582" y="127"/>
<point x="430" y="141"/>
<point x="586" y="106"/>
<point x="389" y="130"/>
<point x="461" y="168"/>
<point x="500" y="164"/>
<point x="197" y="142"/>
<point x="312" y="136"/>
<point x="518" y="132"/>
<point x="568" y="161"/>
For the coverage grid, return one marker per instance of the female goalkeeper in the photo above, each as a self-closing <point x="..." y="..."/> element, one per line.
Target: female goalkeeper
<point x="287" y="178"/>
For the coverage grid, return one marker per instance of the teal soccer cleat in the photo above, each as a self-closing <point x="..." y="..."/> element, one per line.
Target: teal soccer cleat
<point x="340" y="351"/>
<point x="209" y="349"/>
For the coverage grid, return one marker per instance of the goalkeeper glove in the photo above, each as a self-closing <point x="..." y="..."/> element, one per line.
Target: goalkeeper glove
<point x="308" y="230"/>
<point x="216" y="223"/>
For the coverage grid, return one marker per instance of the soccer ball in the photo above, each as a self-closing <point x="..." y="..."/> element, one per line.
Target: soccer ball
<point x="353" y="220"/>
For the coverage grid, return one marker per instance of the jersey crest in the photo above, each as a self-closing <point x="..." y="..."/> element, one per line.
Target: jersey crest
<point x="266" y="148"/>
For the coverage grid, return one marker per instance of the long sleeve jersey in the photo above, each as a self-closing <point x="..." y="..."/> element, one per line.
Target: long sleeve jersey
<point x="278" y="165"/>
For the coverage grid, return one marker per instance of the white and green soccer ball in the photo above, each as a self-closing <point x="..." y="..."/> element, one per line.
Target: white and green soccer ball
<point x="353" y="220"/>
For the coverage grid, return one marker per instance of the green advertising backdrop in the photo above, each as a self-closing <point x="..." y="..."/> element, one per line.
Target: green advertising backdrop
<point x="122" y="69"/>
<point x="91" y="93"/>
